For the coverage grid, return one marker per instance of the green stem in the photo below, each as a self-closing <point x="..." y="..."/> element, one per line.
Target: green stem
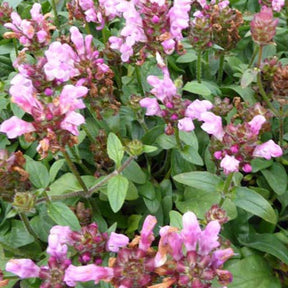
<point x="139" y="80"/>
<point x="256" y="50"/>
<point x="75" y="171"/>
<point x="79" y="161"/>
<point x="177" y="137"/>
<point x="28" y="227"/>
<point x="53" y="3"/>
<point x="97" y="186"/>
<point x="199" y="66"/>
<point x="87" y="28"/>
<point x="221" y="66"/>
<point x="141" y="121"/>
<point x="226" y="188"/>
<point x="89" y="135"/>
<point x="260" y="51"/>
<point x="281" y="126"/>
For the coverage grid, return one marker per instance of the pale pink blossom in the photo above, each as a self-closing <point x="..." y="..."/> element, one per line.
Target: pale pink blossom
<point x="72" y="121"/>
<point x="117" y="241"/>
<point x="24" y="268"/>
<point x="268" y="150"/>
<point x="151" y="105"/>
<point x="146" y="236"/>
<point x="186" y="124"/>
<point x="219" y="257"/>
<point x="197" y="107"/>
<point x="212" y="124"/>
<point x="229" y="164"/>
<point x="277" y="5"/>
<point x="15" y="127"/>
<point x="86" y="273"/>
<point x="256" y="123"/>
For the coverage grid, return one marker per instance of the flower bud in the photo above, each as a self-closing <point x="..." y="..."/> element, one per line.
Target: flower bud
<point x="135" y="147"/>
<point x="24" y="202"/>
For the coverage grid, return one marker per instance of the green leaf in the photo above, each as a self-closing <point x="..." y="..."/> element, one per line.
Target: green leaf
<point x="247" y="94"/>
<point x="166" y="141"/>
<point x="252" y="271"/>
<point x="198" y="201"/>
<point x="65" y="184"/>
<point x="149" y="149"/>
<point x="115" y="149"/>
<point x="254" y="203"/>
<point x="248" y="77"/>
<point x="200" y="180"/>
<point x="42" y="224"/>
<point x="38" y="173"/>
<point x="259" y="164"/>
<point x="189" y="138"/>
<point x="55" y="168"/>
<point x="191" y="155"/>
<point x="132" y="192"/>
<point x="197" y="88"/>
<point x="267" y="243"/>
<point x="188" y="57"/>
<point x="276" y="177"/>
<point x="134" y="173"/>
<point x="175" y="219"/>
<point x="116" y="191"/>
<point x="62" y="215"/>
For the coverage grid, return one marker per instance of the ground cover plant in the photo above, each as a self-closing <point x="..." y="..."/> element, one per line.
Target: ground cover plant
<point x="143" y="143"/>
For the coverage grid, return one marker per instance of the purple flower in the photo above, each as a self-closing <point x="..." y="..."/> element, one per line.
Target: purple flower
<point x="229" y="164"/>
<point x="268" y="150"/>
<point x="146" y="236"/>
<point x="116" y="241"/>
<point x="24" y="268"/>
<point x="15" y="127"/>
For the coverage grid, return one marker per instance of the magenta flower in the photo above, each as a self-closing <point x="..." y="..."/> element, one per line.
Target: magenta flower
<point x="15" y="127"/>
<point x="268" y="150"/>
<point x="212" y="124"/>
<point x="86" y="273"/>
<point x="229" y="164"/>
<point x="24" y="268"/>
<point x="71" y="122"/>
<point x="116" y="241"/>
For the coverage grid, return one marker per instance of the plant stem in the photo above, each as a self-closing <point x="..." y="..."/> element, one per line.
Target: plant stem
<point x="281" y="126"/>
<point x="53" y="3"/>
<point x="87" y="28"/>
<point x="253" y="56"/>
<point x="89" y="135"/>
<point x="177" y="137"/>
<point x="260" y="51"/>
<point x="199" y="66"/>
<point x="74" y="171"/>
<point x="138" y="76"/>
<point x="220" y="71"/>
<point x="79" y="161"/>
<point x="226" y="188"/>
<point x="27" y="225"/>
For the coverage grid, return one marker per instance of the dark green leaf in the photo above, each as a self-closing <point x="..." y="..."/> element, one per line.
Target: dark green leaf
<point x="254" y="203"/>
<point x="134" y="173"/>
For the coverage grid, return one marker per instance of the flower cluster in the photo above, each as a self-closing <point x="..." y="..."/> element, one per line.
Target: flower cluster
<point x="215" y="24"/>
<point x="34" y="33"/>
<point x="151" y="26"/>
<point x="263" y="26"/>
<point x="276" y="5"/>
<point x="240" y="143"/>
<point x="187" y="258"/>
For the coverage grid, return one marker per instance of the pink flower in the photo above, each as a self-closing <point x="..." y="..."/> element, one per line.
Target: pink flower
<point x="146" y="236"/>
<point x="24" y="268"/>
<point x="247" y="168"/>
<point x="86" y="273"/>
<point x="152" y="106"/>
<point x="197" y="107"/>
<point x="277" y="5"/>
<point x="267" y="150"/>
<point x="229" y="164"/>
<point x="15" y="127"/>
<point x="256" y="124"/>
<point x="219" y="257"/>
<point x="212" y="124"/>
<point x="69" y="98"/>
<point x="186" y="124"/>
<point x="72" y="121"/>
<point x="60" y="62"/>
<point x="36" y="13"/>
<point x="58" y="238"/>
<point x="116" y="241"/>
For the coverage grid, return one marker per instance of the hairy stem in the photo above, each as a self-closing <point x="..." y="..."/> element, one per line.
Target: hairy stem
<point x="226" y="188"/>
<point x="27" y="225"/>
<point x="199" y="66"/>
